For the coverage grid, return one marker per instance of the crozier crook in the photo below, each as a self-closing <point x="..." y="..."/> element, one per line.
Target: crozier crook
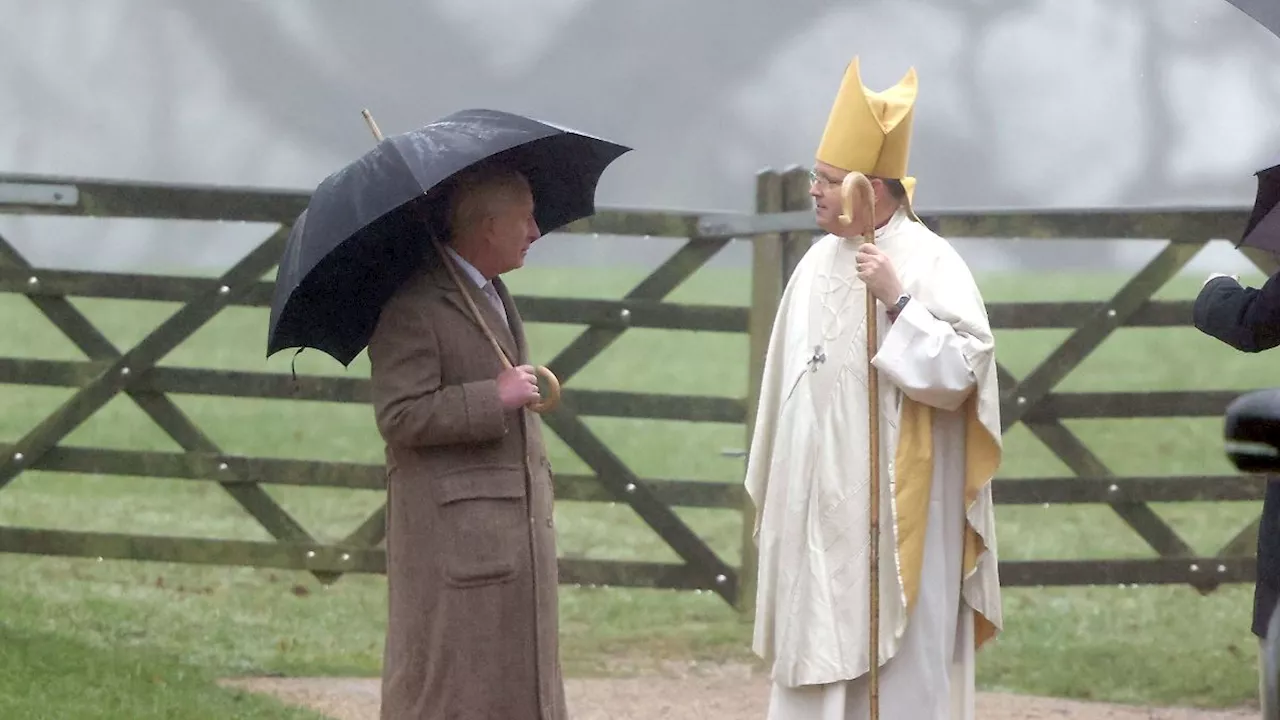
<point x="553" y="384"/>
<point x="857" y="186"/>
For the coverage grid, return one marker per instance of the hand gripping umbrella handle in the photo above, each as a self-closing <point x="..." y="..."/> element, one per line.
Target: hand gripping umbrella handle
<point x="857" y="184"/>
<point x="553" y="384"/>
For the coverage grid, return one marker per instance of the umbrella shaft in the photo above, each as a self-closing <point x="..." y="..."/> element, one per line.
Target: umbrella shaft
<point x="471" y="304"/>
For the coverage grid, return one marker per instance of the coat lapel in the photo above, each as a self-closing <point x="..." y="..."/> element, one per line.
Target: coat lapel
<point x="488" y="313"/>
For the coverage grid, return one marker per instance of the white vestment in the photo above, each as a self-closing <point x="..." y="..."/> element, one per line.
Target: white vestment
<point x="808" y="476"/>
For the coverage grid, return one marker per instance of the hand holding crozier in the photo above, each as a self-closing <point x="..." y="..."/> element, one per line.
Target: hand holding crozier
<point x="875" y="269"/>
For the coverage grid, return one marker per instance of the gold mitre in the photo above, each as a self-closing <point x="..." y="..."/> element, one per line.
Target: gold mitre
<point x="870" y="132"/>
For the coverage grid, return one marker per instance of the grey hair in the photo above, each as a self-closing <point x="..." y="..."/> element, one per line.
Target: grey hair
<point x="478" y="192"/>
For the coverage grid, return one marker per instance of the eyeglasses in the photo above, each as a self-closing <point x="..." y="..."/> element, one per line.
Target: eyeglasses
<point x="816" y="178"/>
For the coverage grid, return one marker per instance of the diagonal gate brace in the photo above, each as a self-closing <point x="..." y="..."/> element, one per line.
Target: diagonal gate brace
<point x="159" y="407"/>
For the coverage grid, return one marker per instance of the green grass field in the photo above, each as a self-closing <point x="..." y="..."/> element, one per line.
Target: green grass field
<point x="88" y="639"/>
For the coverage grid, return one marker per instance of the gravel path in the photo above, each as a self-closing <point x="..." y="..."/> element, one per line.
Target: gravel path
<point x="723" y="692"/>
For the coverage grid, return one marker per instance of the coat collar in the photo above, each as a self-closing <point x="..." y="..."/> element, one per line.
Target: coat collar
<point x="512" y="341"/>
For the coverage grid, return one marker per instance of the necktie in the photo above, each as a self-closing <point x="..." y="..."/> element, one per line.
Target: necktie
<point x="496" y="301"/>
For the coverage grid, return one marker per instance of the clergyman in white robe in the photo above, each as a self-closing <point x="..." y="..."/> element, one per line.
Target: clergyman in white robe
<point x="808" y="476"/>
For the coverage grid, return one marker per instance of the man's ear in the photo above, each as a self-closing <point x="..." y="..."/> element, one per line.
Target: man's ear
<point x="493" y="231"/>
<point x="487" y="227"/>
<point x="883" y="195"/>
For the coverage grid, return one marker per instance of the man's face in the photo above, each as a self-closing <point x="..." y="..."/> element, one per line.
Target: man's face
<point x="512" y="229"/>
<point x="824" y="188"/>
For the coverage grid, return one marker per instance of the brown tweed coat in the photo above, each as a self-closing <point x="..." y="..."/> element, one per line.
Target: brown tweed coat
<point x="471" y="559"/>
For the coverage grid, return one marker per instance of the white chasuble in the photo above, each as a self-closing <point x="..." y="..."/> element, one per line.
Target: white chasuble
<point x="808" y="475"/>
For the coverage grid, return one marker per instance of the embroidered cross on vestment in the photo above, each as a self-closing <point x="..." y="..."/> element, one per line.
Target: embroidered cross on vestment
<point x="818" y="358"/>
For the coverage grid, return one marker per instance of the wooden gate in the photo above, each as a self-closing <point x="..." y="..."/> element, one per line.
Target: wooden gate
<point x="109" y="372"/>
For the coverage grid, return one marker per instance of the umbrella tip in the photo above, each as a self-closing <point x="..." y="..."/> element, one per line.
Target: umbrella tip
<point x="373" y="126"/>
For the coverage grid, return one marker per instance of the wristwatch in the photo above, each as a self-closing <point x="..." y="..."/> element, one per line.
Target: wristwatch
<point x="898" y="306"/>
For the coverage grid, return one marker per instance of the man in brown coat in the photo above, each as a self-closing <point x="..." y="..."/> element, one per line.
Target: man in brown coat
<point x="471" y="559"/>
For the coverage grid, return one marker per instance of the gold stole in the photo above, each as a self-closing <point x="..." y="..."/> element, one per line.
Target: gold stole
<point x="913" y="460"/>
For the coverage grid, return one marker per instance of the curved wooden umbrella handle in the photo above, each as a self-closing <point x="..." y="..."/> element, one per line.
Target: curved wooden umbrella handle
<point x="552" y="401"/>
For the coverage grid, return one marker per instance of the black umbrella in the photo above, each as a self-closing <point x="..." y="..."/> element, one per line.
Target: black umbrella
<point x="1266" y="12"/>
<point x="369" y="225"/>
<point x="1263" y="229"/>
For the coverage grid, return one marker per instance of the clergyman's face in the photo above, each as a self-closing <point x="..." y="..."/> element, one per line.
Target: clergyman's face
<point x="824" y="188"/>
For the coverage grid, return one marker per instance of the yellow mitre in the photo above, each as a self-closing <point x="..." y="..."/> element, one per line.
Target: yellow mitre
<point x="870" y="132"/>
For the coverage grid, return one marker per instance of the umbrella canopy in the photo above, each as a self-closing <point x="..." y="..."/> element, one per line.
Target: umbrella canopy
<point x="368" y="226"/>
<point x="1263" y="229"/>
<point x="1266" y="12"/>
